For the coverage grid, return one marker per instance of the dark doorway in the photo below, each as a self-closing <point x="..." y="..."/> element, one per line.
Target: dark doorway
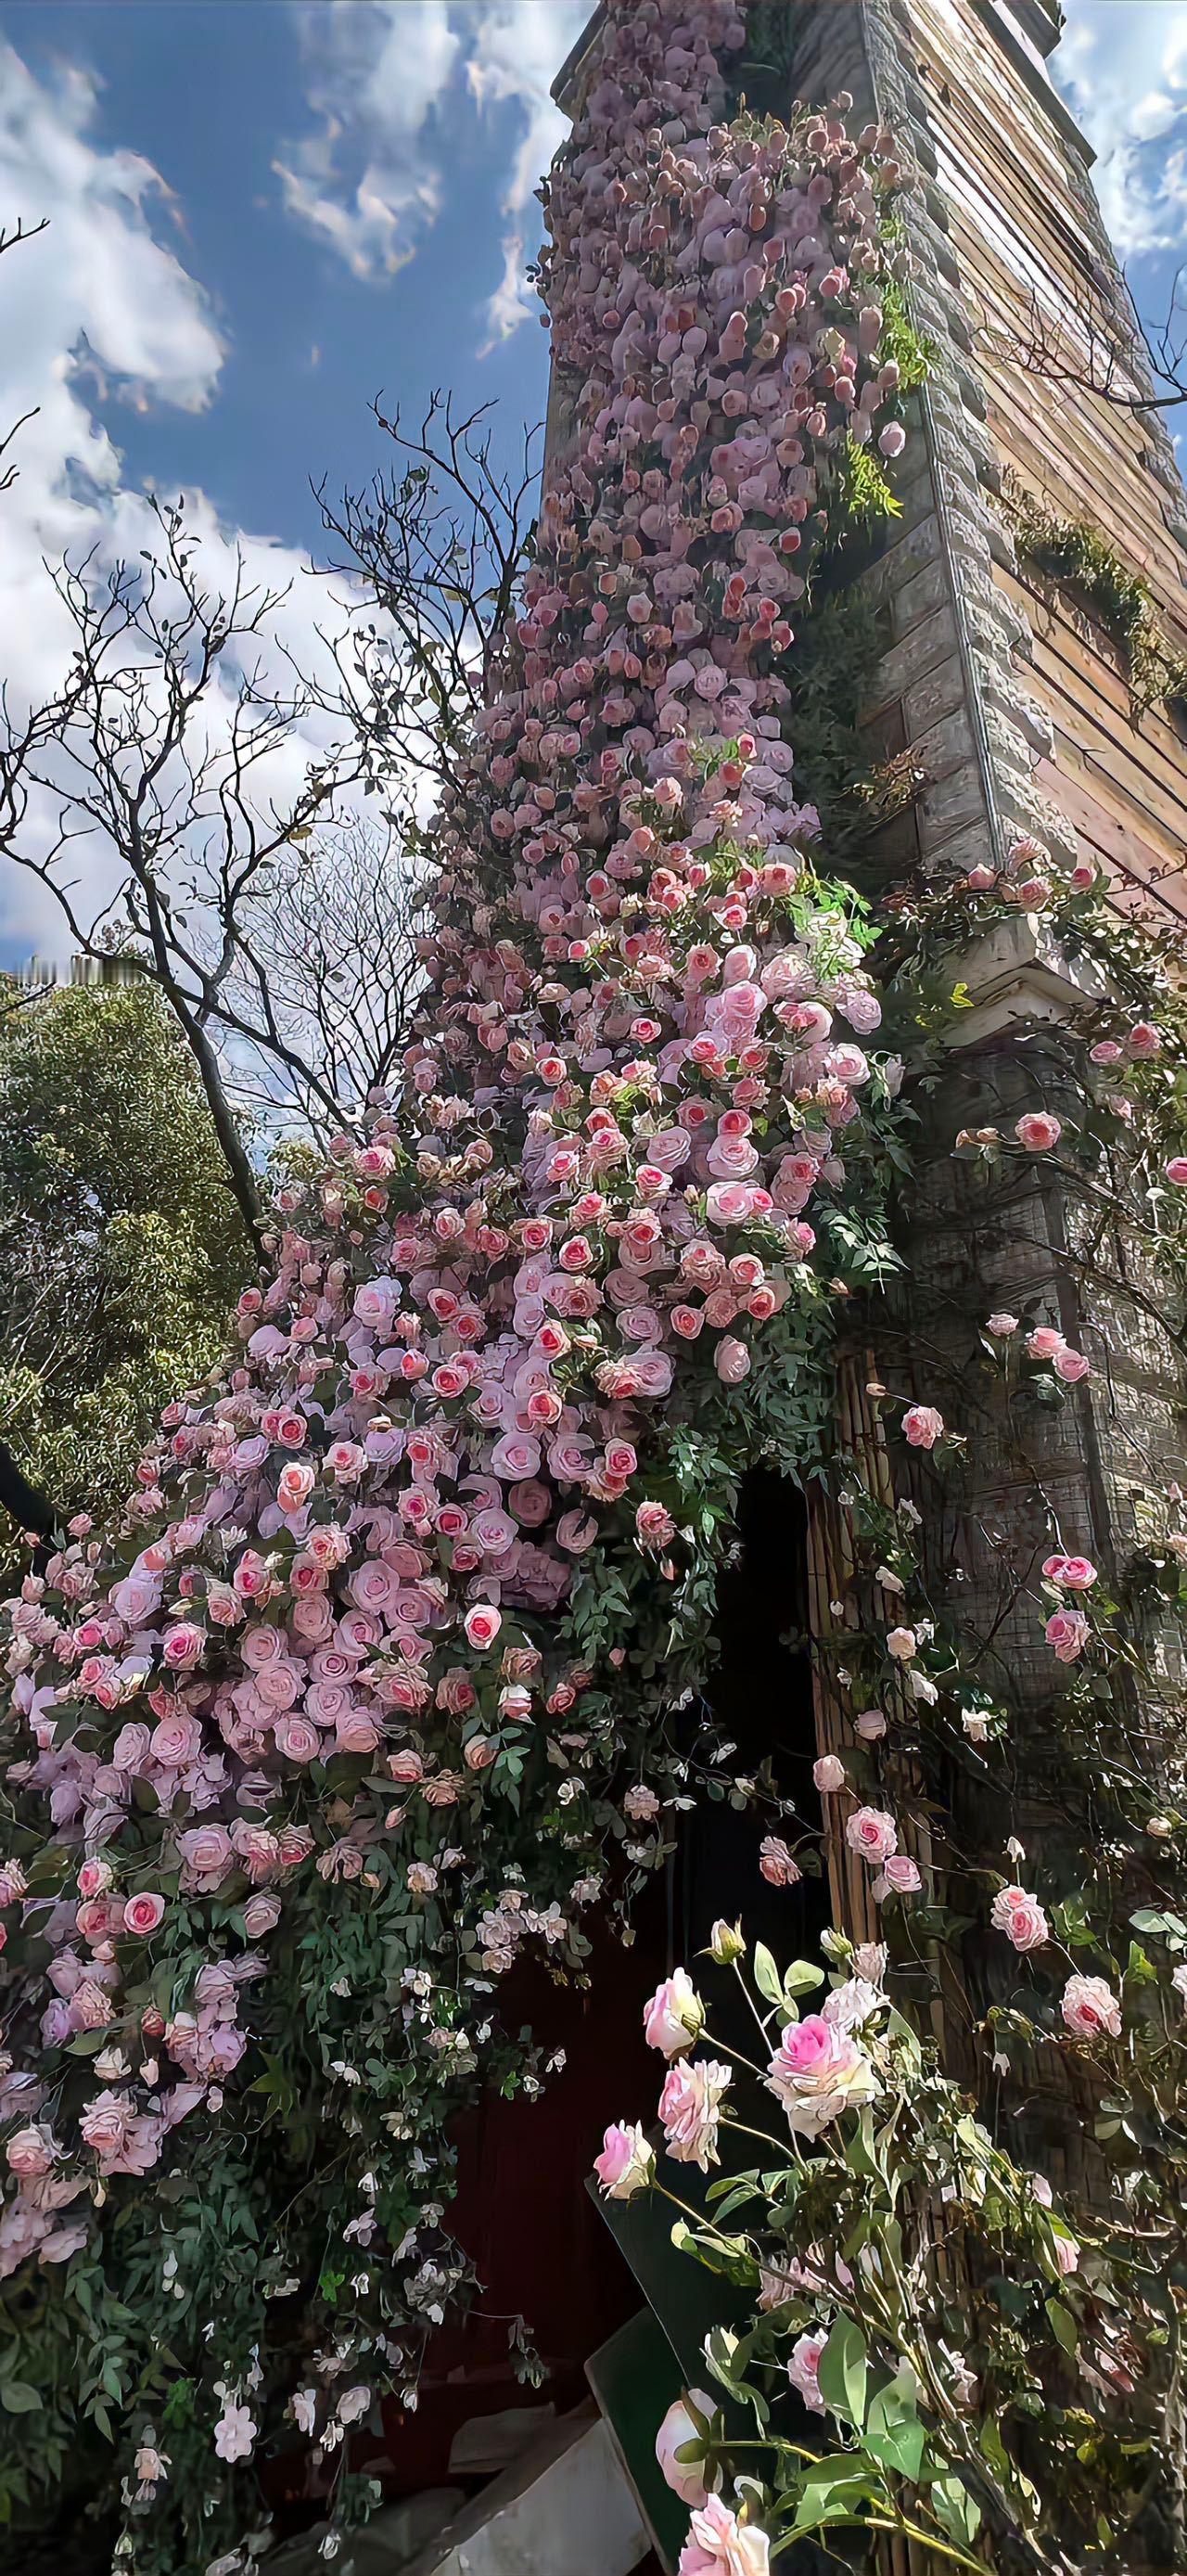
<point x="761" y="1693"/>
<point x="537" y="2239"/>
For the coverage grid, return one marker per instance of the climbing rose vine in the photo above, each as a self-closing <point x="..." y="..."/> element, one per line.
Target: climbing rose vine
<point x="953" y="2281"/>
<point x="388" y="1677"/>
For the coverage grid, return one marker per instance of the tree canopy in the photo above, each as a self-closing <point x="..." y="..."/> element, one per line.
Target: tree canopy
<point x="121" y="1245"/>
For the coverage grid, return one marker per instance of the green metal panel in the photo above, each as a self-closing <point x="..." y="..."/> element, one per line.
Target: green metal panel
<point x="635" y="2378"/>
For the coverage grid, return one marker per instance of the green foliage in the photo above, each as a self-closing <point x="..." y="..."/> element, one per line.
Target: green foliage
<point x="1076" y="555"/>
<point x="973" y="2363"/>
<point x="120" y="1244"/>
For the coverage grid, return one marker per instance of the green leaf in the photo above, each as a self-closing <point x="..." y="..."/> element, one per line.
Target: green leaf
<point x="18" y="2398"/>
<point x="893" y="2432"/>
<point x="766" y="1974"/>
<point x="1063" y="2325"/>
<point x="955" y="2510"/>
<point x="1168" y="1927"/>
<point x="834" y="2491"/>
<point x="842" y="2374"/>
<point x="801" y="1977"/>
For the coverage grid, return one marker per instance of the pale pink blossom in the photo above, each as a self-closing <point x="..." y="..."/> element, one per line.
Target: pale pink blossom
<point x="1021" y="1917"/>
<point x="1071" y="1573"/>
<point x="235" y="2432"/>
<point x="627" y="2163"/>
<point x="1090" y="2008"/>
<point x="899" y="1876"/>
<point x="143" y="1913"/>
<point x="778" y="1865"/>
<point x="677" y="2432"/>
<point x="803" y="2368"/>
<point x="1067" y="1634"/>
<point x="1038" y="1131"/>
<point x="689" y="2108"/>
<point x="675" y="2016"/>
<point x="872" y="1833"/>
<point x="818" y="2072"/>
<point x="719" y="2545"/>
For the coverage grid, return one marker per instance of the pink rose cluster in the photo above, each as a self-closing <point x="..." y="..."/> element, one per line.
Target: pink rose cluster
<point x="332" y="1631"/>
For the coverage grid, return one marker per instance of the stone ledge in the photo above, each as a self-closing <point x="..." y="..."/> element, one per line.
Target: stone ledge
<point x="1017" y="972"/>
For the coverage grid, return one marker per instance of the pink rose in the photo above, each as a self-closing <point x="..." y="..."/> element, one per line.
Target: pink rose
<point x="1176" y="1170"/>
<point x="1071" y="1366"/>
<point x="261" y="1914"/>
<point x="183" y="1646"/>
<point x="294" y="1485"/>
<point x="899" y="1877"/>
<point x="626" y="2164"/>
<point x="176" y="1741"/>
<point x="819" y="2071"/>
<point x="777" y="1864"/>
<point x="297" y="1738"/>
<point x="1143" y="1041"/>
<point x="677" y="2432"/>
<point x="143" y="1914"/>
<point x="1001" y="1325"/>
<point x="719" y="2545"/>
<point x="731" y="1359"/>
<point x="872" y="1833"/>
<point x="1020" y="1917"/>
<point x="803" y="2369"/>
<point x="31" y="2152"/>
<point x="923" y="1426"/>
<point x="689" y="2107"/>
<point x="829" y="1774"/>
<point x="1072" y="1573"/>
<point x="482" y="1625"/>
<point x="1090" y="2009"/>
<point x="675" y="2016"/>
<point x="356" y="1731"/>
<point x="1038" y="1131"/>
<point x="205" y="1854"/>
<point x="1067" y="1634"/>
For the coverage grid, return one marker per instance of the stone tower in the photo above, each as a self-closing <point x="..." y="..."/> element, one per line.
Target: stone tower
<point x="1021" y="712"/>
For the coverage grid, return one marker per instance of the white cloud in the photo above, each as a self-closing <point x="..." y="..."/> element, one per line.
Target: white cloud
<point x="368" y="179"/>
<point x="387" y="84"/>
<point x="98" y="299"/>
<point x="1123" y="70"/>
<point x="518" y="50"/>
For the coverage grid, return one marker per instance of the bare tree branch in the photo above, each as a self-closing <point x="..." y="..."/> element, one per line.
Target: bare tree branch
<point x="20" y="232"/>
<point x="1099" y="343"/>
<point x="441" y="543"/>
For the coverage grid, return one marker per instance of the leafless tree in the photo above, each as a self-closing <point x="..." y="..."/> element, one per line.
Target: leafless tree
<point x="440" y="542"/>
<point x="277" y="928"/>
<point x="157" y="760"/>
<point x="1100" y="344"/>
<point x="10" y="236"/>
<point x="334" y="933"/>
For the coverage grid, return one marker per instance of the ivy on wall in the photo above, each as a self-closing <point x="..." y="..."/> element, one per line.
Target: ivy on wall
<point x="1075" y="556"/>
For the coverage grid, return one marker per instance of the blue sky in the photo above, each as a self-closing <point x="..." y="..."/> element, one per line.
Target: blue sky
<point x="327" y="271"/>
<point x="264" y="212"/>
